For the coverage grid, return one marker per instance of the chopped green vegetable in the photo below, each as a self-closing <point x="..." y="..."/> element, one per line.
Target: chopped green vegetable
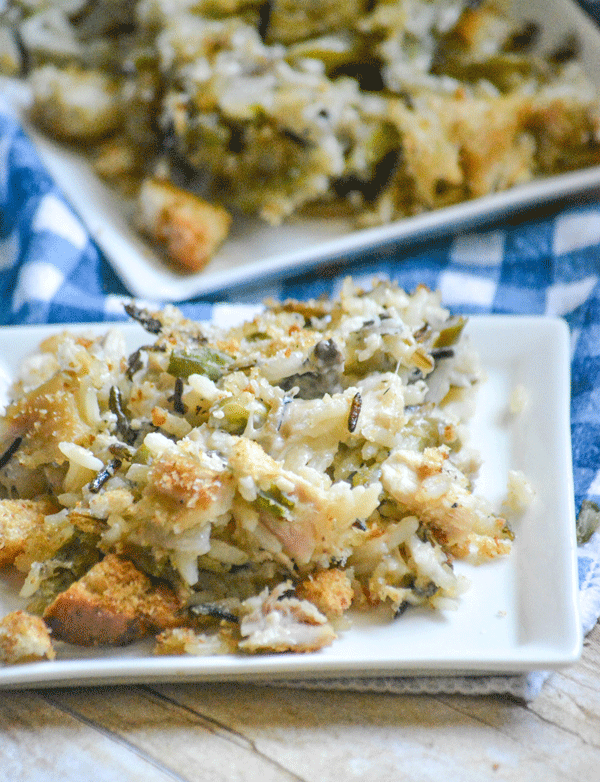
<point x="274" y="502"/>
<point x="507" y="530"/>
<point x="366" y="474"/>
<point x="501" y="70"/>
<point x="156" y="565"/>
<point x="237" y="411"/>
<point x="69" y="563"/>
<point x="450" y="334"/>
<point x="142" y="455"/>
<point x="257" y="336"/>
<point x="205" y="361"/>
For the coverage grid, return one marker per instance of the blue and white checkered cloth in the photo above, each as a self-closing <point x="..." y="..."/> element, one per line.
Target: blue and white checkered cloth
<point x="51" y="272"/>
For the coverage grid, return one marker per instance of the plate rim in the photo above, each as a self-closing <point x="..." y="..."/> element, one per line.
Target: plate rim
<point x="523" y="659"/>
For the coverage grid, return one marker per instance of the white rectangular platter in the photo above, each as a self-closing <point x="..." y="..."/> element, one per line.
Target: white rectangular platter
<point x="520" y="614"/>
<point x="255" y="251"/>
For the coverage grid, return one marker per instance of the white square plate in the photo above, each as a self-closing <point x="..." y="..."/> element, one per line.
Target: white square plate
<point x="257" y="251"/>
<point x="521" y="612"/>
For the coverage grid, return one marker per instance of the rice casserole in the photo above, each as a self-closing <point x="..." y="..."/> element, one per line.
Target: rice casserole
<point x="246" y="489"/>
<point x="371" y="110"/>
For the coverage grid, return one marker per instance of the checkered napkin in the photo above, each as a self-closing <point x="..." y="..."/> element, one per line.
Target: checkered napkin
<point x="51" y="272"/>
<point x="592" y="7"/>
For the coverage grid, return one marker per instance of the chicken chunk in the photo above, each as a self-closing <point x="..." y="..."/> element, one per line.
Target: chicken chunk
<point x="276" y="622"/>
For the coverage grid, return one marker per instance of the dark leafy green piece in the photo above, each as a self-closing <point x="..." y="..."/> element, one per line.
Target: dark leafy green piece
<point x="72" y="560"/>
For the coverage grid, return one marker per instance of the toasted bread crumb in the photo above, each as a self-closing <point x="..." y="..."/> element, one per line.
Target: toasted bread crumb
<point x="186" y="640"/>
<point x="190" y="228"/>
<point x="329" y="590"/>
<point x="24" y="638"/>
<point x="19" y="519"/>
<point x="114" y="603"/>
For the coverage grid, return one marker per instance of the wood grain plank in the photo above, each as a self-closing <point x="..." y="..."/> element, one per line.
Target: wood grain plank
<point x="231" y="731"/>
<point x="336" y="735"/>
<point x="40" y="743"/>
<point x="571" y="699"/>
<point x="191" y="745"/>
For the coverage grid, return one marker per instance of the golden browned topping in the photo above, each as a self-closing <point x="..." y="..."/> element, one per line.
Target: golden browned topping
<point x="190" y="228"/>
<point x="329" y="590"/>
<point x="20" y="520"/>
<point x="24" y="638"/>
<point x="114" y="603"/>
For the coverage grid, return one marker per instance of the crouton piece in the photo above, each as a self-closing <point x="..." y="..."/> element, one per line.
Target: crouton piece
<point x="114" y="604"/>
<point x="329" y="590"/>
<point x="183" y="492"/>
<point x="120" y="163"/>
<point x="431" y="157"/>
<point x="19" y="520"/>
<point x="75" y="104"/>
<point x="500" y="158"/>
<point x="24" y="638"/>
<point x="190" y="228"/>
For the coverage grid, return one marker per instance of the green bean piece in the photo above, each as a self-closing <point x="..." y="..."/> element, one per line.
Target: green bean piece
<point x="69" y="563"/>
<point x="274" y="502"/>
<point x="237" y="411"/>
<point x="256" y="336"/>
<point x="204" y="361"/>
<point x="450" y="334"/>
<point x="366" y="474"/>
<point x="142" y="455"/>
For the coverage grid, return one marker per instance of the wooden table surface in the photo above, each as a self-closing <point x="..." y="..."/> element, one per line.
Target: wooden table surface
<point x="225" y="732"/>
